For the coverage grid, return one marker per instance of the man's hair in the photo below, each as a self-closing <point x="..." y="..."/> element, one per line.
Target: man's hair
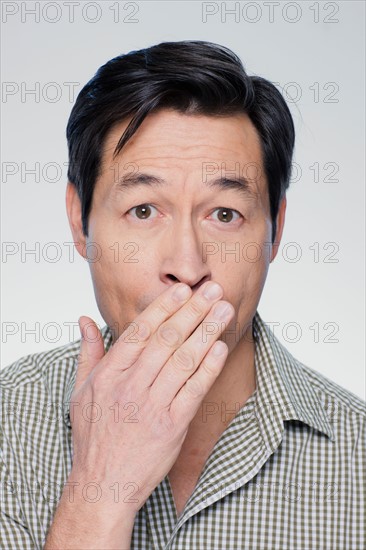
<point x="191" y="77"/>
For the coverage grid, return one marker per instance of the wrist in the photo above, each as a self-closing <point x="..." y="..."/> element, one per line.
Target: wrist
<point x="110" y="499"/>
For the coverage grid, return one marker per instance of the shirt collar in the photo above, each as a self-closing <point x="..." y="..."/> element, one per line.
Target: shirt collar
<point x="283" y="390"/>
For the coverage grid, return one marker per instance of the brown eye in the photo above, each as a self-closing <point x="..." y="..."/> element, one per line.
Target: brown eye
<point x="225" y="215"/>
<point x="142" y="211"/>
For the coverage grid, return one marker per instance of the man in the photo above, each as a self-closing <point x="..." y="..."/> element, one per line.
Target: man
<point x="183" y="423"/>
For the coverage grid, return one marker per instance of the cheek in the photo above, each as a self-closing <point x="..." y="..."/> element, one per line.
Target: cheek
<point x="243" y="280"/>
<point x="123" y="271"/>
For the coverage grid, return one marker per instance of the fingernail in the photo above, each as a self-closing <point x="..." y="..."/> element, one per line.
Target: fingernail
<point x="182" y="292"/>
<point x="213" y="290"/>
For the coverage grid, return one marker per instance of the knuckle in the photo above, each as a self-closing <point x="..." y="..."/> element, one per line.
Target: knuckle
<point x="143" y="331"/>
<point x="194" y="388"/>
<point x="168" y="335"/>
<point x="163" y="424"/>
<point x="183" y="360"/>
<point x="129" y="395"/>
<point x="81" y="360"/>
<point x="195" y="309"/>
<point x="135" y="332"/>
<point x="210" y="367"/>
<point x="164" y="308"/>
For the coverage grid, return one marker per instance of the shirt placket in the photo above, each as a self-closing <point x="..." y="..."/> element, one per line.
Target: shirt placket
<point x="237" y="457"/>
<point x="161" y="516"/>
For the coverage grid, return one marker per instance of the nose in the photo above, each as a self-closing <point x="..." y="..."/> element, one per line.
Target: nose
<point x="183" y="258"/>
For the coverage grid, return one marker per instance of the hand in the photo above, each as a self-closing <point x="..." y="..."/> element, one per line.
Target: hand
<point x="131" y="407"/>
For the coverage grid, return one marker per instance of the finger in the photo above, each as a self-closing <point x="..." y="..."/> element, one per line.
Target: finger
<point x="189" y="398"/>
<point x="186" y="359"/>
<point x="134" y="339"/>
<point x="172" y="334"/>
<point x="91" y="349"/>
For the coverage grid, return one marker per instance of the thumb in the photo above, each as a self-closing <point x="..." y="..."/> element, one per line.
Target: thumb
<point x="91" y="349"/>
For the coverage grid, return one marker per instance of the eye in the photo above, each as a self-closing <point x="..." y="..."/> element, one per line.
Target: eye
<point x="226" y="214"/>
<point x="142" y="211"/>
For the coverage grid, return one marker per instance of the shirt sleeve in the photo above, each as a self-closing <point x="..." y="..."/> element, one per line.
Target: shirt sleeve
<point x="13" y="532"/>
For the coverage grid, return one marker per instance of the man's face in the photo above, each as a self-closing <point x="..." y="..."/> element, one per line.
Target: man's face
<point x="147" y="237"/>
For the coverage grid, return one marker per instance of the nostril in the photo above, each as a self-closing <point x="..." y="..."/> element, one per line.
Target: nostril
<point x="202" y="281"/>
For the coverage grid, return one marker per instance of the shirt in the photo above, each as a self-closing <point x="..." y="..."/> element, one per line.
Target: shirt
<point x="288" y="473"/>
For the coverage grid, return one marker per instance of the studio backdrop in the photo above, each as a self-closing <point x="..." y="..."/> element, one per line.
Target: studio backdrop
<point x="314" y="52"/>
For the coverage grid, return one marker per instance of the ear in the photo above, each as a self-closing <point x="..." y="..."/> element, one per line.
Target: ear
<point x="280" y="225"/>
<point x="73" y="208"/>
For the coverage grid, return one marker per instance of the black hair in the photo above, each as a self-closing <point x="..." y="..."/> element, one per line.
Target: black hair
<point x="192" y="77"/>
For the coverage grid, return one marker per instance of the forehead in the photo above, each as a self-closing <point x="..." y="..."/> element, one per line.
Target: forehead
<point x="232" y="135"/>
<point x="170" y="144"/>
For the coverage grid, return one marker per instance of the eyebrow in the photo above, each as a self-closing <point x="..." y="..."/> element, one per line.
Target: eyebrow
<point x="239" y="184"/>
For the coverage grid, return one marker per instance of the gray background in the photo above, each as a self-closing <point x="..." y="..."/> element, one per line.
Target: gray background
<point x="313" y="50"/>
